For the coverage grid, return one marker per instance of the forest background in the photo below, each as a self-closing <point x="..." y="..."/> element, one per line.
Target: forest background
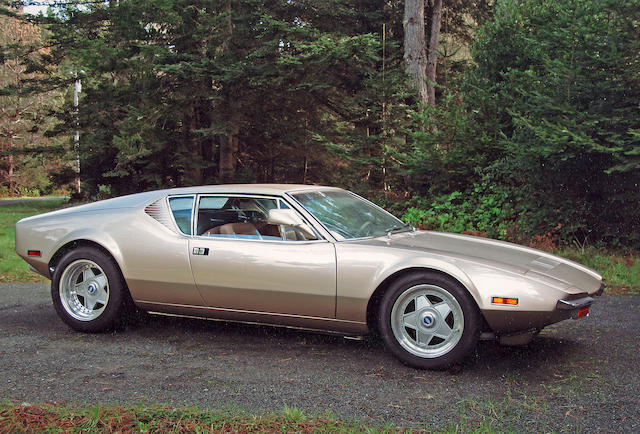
<point x="516" y="119"/>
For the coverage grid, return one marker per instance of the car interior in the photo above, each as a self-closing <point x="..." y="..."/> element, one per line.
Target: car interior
<point x="242" y="218"/>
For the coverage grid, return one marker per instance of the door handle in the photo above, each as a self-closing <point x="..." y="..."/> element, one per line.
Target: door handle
<point x="204" y="251"/>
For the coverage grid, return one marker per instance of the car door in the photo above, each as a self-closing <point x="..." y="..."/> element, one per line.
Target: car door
<point x="240" y="262"/>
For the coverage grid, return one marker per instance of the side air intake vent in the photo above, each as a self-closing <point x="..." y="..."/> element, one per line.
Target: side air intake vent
<point x="158" y="210"/>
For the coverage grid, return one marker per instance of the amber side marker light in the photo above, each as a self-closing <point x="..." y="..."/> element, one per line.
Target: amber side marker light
<point x="583" y="311"/>
<point x="33" y="252"/>
<point x="504" y="300"/>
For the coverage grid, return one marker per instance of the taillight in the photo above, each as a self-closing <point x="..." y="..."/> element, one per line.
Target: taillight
<point x="583" y="311"/>
<point x="33" y="253"/>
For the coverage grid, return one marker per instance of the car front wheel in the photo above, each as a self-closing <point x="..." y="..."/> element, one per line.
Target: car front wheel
<point x="428" y="320"/>
<point x="88" y="291"/>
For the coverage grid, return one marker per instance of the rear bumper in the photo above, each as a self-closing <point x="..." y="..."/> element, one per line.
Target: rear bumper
<point x="37" y="266"/>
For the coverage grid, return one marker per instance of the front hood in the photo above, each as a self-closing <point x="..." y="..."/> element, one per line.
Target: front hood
<point x="533" y="263"/>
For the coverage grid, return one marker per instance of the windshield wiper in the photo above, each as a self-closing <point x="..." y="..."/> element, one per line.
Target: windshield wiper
<point x="396" y="228"/>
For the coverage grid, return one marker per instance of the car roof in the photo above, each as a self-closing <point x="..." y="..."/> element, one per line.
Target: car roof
<point x="148" y="197"/>
<point x="275" y="189"/>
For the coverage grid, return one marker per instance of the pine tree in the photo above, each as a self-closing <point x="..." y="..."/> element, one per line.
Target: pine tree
<point x="559" y="81"/>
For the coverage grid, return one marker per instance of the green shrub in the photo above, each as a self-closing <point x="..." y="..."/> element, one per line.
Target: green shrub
<point x="484" y="209"/>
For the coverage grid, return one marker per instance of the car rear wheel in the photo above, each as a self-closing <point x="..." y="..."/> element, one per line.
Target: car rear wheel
<point x="88" y="291"/>
<point x="428" y="320"/>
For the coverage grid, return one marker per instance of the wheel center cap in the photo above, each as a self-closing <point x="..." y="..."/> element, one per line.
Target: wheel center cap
<point x="92" y="288"/>
<point x="428" y="319"/>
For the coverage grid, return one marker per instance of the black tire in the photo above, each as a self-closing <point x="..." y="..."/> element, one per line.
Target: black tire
<point x="99" y="299"/>
<point x="435" y="324"/>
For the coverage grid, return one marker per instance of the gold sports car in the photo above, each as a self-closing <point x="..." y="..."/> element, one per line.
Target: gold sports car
<point x="304" y="256"/>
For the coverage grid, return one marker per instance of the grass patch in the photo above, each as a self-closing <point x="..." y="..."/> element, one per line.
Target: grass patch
<point x="512" y="413"/>
<point x="621" y="272"/>
<point x="12" y="267"/>
<point x="52" y="417"/>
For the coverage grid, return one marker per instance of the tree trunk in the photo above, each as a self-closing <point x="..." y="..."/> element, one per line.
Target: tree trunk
<point x="415" y="55"/>
<point x="12" y="184"/>
<point x="193" y="167"/>
<point x="228" y="151"/>
<point x="229" y="145"/>
<point x="432" y="58"/>
<point x="305" y="168"/>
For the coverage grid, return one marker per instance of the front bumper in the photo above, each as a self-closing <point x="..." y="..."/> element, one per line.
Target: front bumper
<point x="514" y="321"/>
<point x="574" y="304"/>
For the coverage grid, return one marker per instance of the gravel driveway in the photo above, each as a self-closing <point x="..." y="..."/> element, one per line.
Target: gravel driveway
<point x="582" y="374"/>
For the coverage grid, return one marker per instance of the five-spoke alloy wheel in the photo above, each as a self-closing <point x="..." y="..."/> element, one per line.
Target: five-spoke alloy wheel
<point x="428" y="320"/>
<point x="84" y="290"/>
<point x="88" y="291"/>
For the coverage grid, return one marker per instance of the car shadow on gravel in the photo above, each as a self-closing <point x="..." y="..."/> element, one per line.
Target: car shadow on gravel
<point x="543" y="350"/>
<point x="264" y="342"/>
<point x="252" y="340"/>
<point x="240" y="334"/>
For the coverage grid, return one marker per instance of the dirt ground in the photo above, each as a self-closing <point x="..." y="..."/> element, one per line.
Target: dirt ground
<point x="579" y="375"/>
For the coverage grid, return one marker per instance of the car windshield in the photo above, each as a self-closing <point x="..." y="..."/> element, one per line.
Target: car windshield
<point x="347" y="216"/>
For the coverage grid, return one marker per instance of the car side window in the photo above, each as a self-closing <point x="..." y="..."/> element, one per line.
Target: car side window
<point x="181" y="210"/>
<point x="241" y="218"/>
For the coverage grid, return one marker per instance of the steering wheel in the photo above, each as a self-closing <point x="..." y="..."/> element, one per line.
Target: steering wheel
<point x="242" y="216"/>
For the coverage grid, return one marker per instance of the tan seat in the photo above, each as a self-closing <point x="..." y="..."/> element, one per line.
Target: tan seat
<point x="232" y="228"/>
<point x="212" y="231"/>
<point x="268" y="230"/>
<point x="245" y="229"/>
<point x="239" y="229"/>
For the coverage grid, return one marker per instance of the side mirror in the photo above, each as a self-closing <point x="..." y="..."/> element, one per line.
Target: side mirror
<point x="288" y="217"/>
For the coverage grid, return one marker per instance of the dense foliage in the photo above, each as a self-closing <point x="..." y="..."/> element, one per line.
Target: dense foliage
<point x="22" y="167"/>
<point x="562" y="79"/>
<point x="541" y="133"/>
<point x="189" y="92"/>
<point x="536" y="129"/>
